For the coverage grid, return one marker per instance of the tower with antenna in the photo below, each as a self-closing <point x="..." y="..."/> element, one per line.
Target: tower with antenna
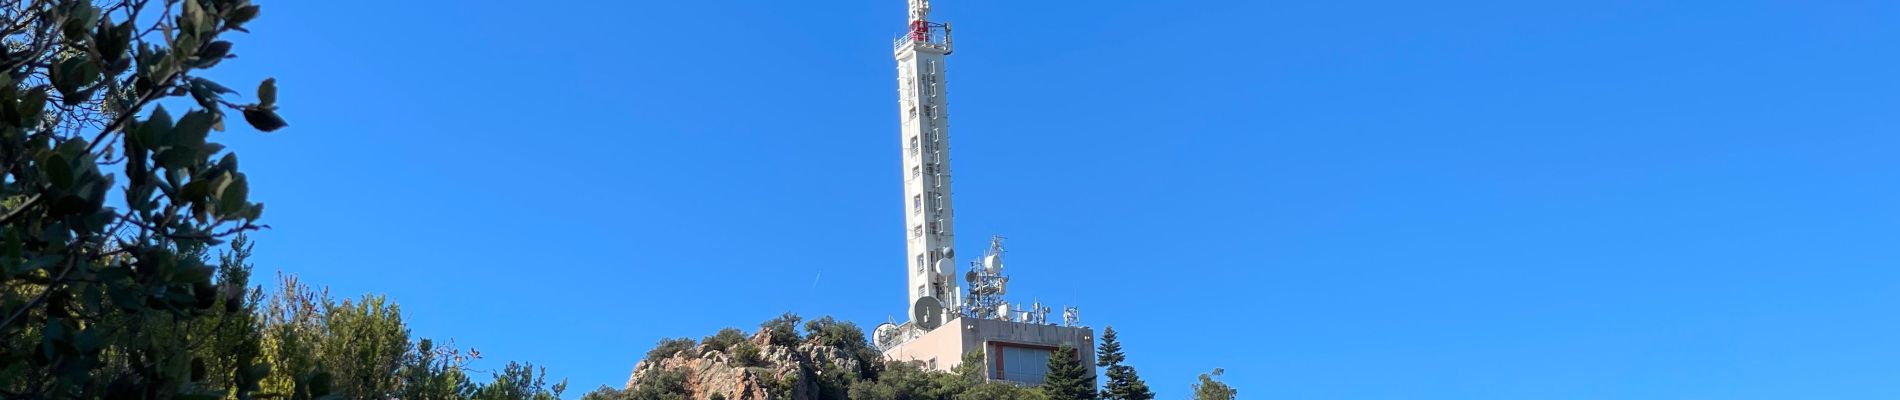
<point x="945" y="322"/>
<point x="923" y="106"/>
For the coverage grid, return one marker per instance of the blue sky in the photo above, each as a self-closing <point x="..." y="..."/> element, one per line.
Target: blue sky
<point x="1329" y="199"/>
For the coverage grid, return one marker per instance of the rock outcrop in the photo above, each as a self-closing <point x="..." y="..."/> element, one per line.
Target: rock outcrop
<point x="783" y="370"/>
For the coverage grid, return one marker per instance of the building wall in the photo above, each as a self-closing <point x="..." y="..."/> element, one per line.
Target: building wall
<point x="947" y="344"/>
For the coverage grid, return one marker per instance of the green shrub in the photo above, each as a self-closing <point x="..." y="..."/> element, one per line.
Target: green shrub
<point x="747" y="355"/>
<point x="830" y="332"/>
<point x="784" y="328"/>
<point x="724" y="340"/>
<point x="668" y="346"/>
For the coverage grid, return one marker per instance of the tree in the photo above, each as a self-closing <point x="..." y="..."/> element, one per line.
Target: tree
<point x="898" y="380"/>
<point x="845" y="336"/>
<point x="519" y="381"/>
<point x="1068" y="379"/>
<point x="1210" y="388"/>
<point x="434" y="372"/>
<point x="724" y="340"/>
<point x="80" y="84"/>
<point x="1122" y="384"/>
<point x="365" y="348"/>
<point x="783" y="330"/>
<point x="662" y="384"/>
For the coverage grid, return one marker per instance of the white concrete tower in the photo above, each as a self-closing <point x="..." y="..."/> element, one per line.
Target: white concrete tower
<point x="925" y="139"/>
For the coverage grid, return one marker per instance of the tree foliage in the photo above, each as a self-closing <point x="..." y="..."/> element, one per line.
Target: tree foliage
<point x="668" y="346"/>
<point x="1068" y="379"/>
<point x="1211" y="388"/>
<point x="1122" y="383"/>
<point x="121" y="299"/>
<point x="362" y="349"/>
<point x="899" y="381"/>
<point x="782" y="330"/>
<point x="724" y="340"/>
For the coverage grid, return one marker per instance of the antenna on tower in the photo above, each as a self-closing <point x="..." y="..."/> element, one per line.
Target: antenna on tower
<point x="987" y="285"/>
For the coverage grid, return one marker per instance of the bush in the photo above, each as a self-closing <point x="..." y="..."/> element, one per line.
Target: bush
<point x="784" y="329"/>
<point x="663" y="385"/>
<point x="668" y="346"/>
<point x="830" y="332"/>
<point x="724" y="340"/>
<point x="747" y="355"/>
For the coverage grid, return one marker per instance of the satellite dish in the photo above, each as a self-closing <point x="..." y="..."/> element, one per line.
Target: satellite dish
<point x="970" y="277"/>
<point x="927" y="313"/>
<point x="946" y="266"/>
<point x="993" y="262"/>
<point x="885" y="335"/>
<point x="1002" y="312"/>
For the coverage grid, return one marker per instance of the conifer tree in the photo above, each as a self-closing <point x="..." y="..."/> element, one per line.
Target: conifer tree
<point x="1068" y="379"/>
<point x="1122" y="384"/>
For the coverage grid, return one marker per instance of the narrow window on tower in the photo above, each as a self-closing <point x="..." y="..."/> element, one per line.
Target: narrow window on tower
<point x="917" y="231"/>
<point x="934" y="229"/>
<point x="917" y="172"/>
<point x="920" y="263"/>
<point x="913" y="145"/>
<point x="917" y="204"/>
<point x="936" y="201"/>
<point x="938" y="178"/>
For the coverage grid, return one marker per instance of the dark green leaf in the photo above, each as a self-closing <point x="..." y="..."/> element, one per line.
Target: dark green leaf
<point x="31" y="106"/>
<point x="264" y="120"/>
<point x="59" y="172"/>
<point x="38" y="263"/>
<point x="267" y="93"/>
<point x="192" y="129"/>
<point x="212" y="53"/>
<point x="157" y="129"/>
<point x="234" y="196"/>
<point x="213" y="85"/>
<point x="242" y="15"/>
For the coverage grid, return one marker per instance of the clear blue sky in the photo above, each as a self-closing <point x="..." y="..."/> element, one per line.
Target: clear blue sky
<point x="1330" y="199"/>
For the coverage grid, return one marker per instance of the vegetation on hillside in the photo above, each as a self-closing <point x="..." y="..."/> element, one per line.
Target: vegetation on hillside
<point x="123" y="269"/>
<point x="1068" y="377"/>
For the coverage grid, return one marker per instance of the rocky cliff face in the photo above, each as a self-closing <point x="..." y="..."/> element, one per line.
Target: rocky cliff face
<point x="786" y="371"/>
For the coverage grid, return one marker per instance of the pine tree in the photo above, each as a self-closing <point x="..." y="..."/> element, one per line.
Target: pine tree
<point x="1122" y="384"/>
<point x="1068" y="379"/>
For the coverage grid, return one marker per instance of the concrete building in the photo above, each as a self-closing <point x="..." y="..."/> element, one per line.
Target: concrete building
<point x="945" y="321"/>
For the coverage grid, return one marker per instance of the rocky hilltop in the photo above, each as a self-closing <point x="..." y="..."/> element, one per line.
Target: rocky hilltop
<point x="762" y="369"/>
<point x="830" y="360"/>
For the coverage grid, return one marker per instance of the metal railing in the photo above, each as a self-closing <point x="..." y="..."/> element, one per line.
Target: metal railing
<point x="938" y="42"/>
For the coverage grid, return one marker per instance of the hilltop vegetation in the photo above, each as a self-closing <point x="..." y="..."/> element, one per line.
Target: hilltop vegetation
<point x="830" y="359"/>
